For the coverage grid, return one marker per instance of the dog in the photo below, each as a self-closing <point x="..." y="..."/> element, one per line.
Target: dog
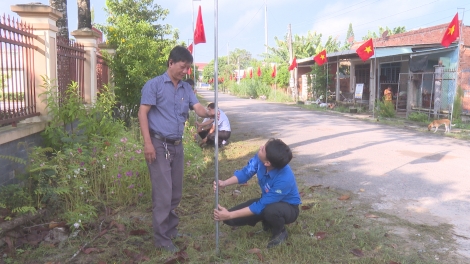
<point x="438" y="123"/>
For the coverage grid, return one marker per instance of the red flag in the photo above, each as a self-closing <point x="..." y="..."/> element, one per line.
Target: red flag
<point x="452" y="32"/>
<point x="293" y="65"/>
<point x="189" y="71"/>
<point x="251" y="73"/>
<point x="244" y="74"/>
<point x="273" y="74"/>
<point x="320" y="58"/>
<point x="259" y="72"/>
<point x="190" y="48"/>
<point x="199" y="35"/>
<point x="366" y="50"/>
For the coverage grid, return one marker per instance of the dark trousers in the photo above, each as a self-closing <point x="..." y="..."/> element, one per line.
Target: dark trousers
<point x="166" y="176"/>
<point x="223" y="135"/>
<point x="203" y="134"/>
<point x="274" y="216"/>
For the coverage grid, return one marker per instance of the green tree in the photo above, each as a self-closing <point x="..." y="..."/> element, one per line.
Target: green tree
<point x="320" y="81"/>
<point x="349" y="38"/>
<point x="141" y="48"/>
<point x="373" y="35"/>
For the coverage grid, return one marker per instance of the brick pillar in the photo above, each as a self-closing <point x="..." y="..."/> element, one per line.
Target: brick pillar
<point x="89" y="39"/>
<point x="43" y="19"/>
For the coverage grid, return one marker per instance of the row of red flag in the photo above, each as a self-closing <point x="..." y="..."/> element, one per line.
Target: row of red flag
<point x="366" y="50"/>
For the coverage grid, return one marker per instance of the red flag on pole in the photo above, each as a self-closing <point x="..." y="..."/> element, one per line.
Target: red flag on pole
<point x="189" y="71"/>
<point x="190" y="48"/>
<point x="452" y="32"/>
<point x="293" y="64"/>
<point x="320" y="58"/>
<point x="366" y="50"/>
<point x="199" y="35"/>
<point x="273" y="74"/>
<point x="259" y="72"/>
<point x="251" y="73"/>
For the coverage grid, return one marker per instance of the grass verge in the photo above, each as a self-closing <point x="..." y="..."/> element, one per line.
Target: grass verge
<point x="333" y="227"/>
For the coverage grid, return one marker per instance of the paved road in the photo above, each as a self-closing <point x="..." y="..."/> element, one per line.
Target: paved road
<point x="422" y="177"/>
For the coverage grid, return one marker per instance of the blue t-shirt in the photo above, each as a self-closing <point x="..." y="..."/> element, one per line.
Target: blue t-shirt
<point x="278" y="185"/>
<point x="169" y="105"/>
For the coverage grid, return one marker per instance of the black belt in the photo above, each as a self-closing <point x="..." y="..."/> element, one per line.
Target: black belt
<point x="167" y="140"/>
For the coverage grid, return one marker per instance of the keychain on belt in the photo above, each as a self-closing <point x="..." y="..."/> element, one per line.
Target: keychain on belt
<point x="167" y="153"/>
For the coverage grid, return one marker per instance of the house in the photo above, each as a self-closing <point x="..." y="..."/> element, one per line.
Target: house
<point x="424" y="76"/>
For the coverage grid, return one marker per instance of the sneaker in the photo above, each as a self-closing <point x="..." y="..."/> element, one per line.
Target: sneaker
<point x="224" y="142"/>
<point x="278" y="239"/>
<point x="170" y="248"/>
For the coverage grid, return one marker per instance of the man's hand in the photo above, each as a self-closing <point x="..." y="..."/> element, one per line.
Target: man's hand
<point x="221" y="214"/>
<point x="149" y="152"/>
<point x="221" y="185"/>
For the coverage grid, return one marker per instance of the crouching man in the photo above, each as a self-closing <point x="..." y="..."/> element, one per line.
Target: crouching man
<point x="280" y="199"/>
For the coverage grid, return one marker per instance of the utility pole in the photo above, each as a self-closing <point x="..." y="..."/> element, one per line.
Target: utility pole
<point x="266" y="24"/>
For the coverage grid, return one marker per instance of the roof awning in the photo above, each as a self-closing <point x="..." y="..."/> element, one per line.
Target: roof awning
<point x="392" y="51"/>
<point x="379" y="53"/>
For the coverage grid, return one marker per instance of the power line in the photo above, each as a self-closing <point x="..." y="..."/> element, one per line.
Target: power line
<point x="336" y="15"/>
<point x="247" y="23"/>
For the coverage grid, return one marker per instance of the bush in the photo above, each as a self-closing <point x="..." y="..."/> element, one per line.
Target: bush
<point x="418" y="117"/>
<point x="458" y="106"/>
<point x="386" y="109"/>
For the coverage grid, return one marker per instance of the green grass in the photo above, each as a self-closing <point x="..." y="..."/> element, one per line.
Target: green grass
<point x="344" y="222"/>
<point x="384" y="239"/>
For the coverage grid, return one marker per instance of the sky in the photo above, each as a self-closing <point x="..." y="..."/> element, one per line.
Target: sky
<point x="241" y="23"/>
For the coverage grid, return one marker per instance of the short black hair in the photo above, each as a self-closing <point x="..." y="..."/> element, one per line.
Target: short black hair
<point x="190" y="81"/>
<point x="211" y="105"/>
<point x="278" y="153"/>
<point x="179" y="53"/>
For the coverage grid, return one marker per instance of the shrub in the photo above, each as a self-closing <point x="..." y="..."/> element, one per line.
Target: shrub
<point x="458" y="106"/>
<point x="386" y="109"/>
<point x="418" y="117"/>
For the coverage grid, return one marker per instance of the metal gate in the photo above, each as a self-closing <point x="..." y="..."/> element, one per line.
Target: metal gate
<point x="431" y="93"/>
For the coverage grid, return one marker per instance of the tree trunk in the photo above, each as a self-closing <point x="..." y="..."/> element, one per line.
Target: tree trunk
<point x="84" y="14"/>
<point x="62" y="23"/>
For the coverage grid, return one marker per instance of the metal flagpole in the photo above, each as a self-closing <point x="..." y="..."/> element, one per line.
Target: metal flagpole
<point x="326" y="93"/>
<point x="194" y="47"/>
<point x="458" y="62"/>
<point x="377" y="89"/>
<point x="216" y="122"/>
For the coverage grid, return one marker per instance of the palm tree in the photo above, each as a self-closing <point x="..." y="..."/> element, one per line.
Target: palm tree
<point x="63" y="22"/>
<point x="84" y="14"/>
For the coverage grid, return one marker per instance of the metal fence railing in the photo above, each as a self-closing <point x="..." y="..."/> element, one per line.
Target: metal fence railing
<point x="70" y="65"/>
<point x="101" y="72"/>
<point x="17" y="88"/>
<point x="429" y="92"/>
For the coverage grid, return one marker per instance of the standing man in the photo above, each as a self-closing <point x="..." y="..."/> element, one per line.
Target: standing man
<point x="163" y="111"/>
<point x="280" y="198"/>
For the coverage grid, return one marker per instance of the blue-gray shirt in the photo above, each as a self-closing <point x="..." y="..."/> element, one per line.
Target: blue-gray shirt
<point x="169" y="105"/>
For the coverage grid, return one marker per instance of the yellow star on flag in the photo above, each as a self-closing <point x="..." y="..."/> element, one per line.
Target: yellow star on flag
<point x="322" y="57"/>
<point x="368" y="49"/>
<point x="451" y="30"/>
